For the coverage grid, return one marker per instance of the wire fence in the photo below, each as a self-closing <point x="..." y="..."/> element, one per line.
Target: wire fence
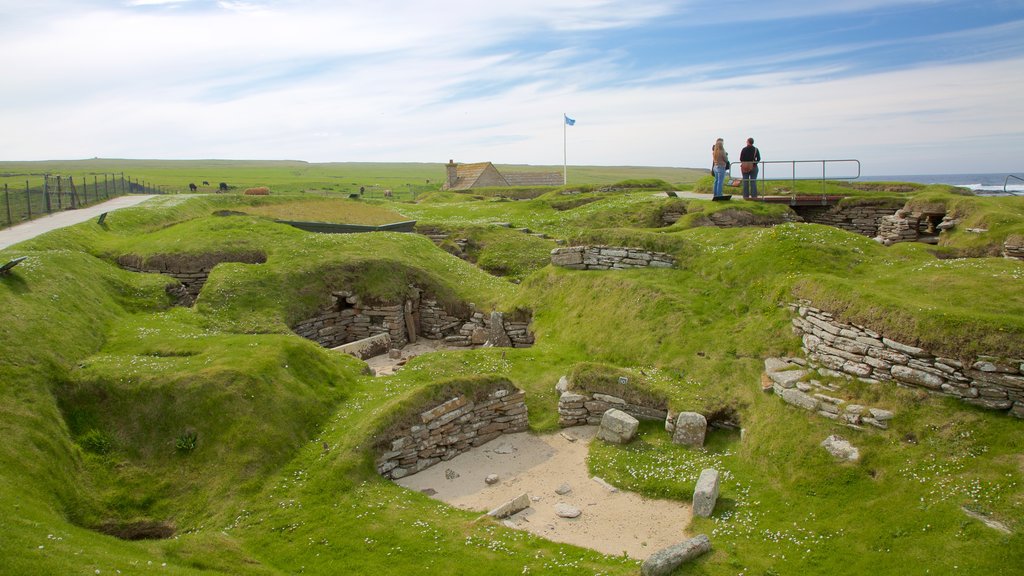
<point x="45" y="194"/>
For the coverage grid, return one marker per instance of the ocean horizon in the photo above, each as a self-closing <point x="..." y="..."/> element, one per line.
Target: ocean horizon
<point x="989" y="183"/>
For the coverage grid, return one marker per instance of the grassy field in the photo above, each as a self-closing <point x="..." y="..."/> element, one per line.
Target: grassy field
<point x="122" y="415"/>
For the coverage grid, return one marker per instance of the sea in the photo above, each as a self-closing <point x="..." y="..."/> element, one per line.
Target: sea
<point x="981" y="184"/>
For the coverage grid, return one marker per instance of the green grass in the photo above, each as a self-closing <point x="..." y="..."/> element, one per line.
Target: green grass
<point x="258" y="446"/>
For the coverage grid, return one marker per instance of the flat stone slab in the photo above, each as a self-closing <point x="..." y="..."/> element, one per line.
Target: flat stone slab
<point x="841" y="448"/>
<point x="367" y="347"/>
<point x="517" y="504"/>
<point x="666" y="560"/>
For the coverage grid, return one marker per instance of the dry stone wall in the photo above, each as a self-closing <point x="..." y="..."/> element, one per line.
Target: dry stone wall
<point x="864" y="219"/>
<point x="841" y="348"/>
<point x="582" y="408"/>
<point x="348" y="318"/>
<point x="609" y="258"/>
<point x="451" y="428"/>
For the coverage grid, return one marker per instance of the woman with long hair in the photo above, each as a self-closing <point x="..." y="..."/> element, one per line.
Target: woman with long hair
<point x="719" y="165"/>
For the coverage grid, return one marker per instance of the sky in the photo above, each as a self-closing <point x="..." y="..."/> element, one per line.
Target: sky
<point x="901" y="86"/>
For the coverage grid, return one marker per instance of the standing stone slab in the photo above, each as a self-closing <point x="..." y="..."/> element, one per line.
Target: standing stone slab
<point x="617" y="427"/>
<point x="705" y="494"/>
<point x="498" y="336"/>
<point x="666" y="560"/>
<point x="691" y="428"/>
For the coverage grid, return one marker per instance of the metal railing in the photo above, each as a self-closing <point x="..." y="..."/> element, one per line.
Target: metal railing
<point x="1007" y="181"/>
<point x="794" y="177"/>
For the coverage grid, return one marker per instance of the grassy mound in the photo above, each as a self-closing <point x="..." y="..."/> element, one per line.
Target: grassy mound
<point x="127" y="418"/>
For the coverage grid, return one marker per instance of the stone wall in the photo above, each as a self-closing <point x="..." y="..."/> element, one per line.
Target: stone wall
<point x="348" y="318"/>
<point x="840" y="348"/>
<point x="451" y="428"/>
<point x="609" y="258"/>
<point x="864" y="219"/>
<point x="578" y="408"/>
<point x="1013" y="247"/>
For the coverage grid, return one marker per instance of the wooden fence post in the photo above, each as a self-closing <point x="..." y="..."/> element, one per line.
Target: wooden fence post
<point x="28" y="200"/>
<point x="7" y="201"/>
<point x="46" y="193"/>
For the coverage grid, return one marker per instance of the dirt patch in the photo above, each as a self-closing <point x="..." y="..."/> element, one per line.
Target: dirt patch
<point x="611" y="522"/>
<point x="388" y="364"/>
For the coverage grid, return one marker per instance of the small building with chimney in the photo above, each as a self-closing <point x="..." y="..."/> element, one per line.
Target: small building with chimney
<point x="483" y="174"/>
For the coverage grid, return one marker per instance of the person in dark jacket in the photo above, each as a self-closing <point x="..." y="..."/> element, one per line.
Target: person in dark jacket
<point x="750" y="157"/>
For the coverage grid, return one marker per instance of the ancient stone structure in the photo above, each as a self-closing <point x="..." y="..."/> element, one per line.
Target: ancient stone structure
<point x="609" y="258"/>
<point x="841" y="348"/>
<point x="705" y="493"/>
<point x="348" y="318"/>
<point x="191" y="272"/>
<point x="1013" y="247"/>
<point x="451" y="428"/>
<point x="791" y="381"/>
<point x="580" y="408"/>
<point x="863" y="217"/>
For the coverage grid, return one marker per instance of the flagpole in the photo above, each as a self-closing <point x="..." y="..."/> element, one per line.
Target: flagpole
<point x="565" y="171"/>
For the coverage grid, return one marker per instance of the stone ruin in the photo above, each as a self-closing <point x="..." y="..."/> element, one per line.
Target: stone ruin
<point x="843" y="349"/>
<point x="348" y="318"/>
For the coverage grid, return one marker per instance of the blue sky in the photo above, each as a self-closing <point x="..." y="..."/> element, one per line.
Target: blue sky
<point x="904" y="86"/>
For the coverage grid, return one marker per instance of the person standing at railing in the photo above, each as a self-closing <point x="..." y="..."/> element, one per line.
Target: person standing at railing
<point x="719" y="165"/>
<point x="750" y="157"/>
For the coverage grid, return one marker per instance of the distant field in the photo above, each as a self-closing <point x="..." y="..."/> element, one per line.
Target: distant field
<point x="329" y="210"/>
<point x="403" y="178"/>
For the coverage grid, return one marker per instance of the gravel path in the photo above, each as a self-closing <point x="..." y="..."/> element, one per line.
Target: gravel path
<point x="31" y="229"/>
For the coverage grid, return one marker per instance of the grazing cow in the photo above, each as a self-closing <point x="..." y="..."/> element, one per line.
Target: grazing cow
<point x="387" y="193"/>
<point x="206" y="182"/>
<point x="223" y="186"/>
<point x="192" y="186"/>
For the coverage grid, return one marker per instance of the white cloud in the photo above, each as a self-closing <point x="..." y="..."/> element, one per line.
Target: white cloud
<point x="407" y="81"/>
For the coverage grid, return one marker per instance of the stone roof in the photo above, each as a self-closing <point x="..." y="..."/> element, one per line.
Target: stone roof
<point x="485" y="174"/>
<point x="534" y="178"/>
<point x="467" y="175"/>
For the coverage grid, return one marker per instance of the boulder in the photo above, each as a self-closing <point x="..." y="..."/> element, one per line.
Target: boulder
<point x="666" y="560"/>
<point x="617" y="427"/>
<point x="841" y="448"/>
<point x="690" y="430"/>
<point x="705" y="494"/>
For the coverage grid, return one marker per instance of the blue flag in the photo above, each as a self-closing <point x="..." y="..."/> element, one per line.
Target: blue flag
<point x="569" y="121"/>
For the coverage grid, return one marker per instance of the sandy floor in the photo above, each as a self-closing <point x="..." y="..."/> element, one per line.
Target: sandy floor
<point x="385" y="365"/>
<point x="611" y="522"/>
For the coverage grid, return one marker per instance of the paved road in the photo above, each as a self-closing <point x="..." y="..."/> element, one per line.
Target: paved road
<point x="33" y="228"/>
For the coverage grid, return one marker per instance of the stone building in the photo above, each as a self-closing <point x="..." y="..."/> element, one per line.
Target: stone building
<point x="484" y="174"/>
